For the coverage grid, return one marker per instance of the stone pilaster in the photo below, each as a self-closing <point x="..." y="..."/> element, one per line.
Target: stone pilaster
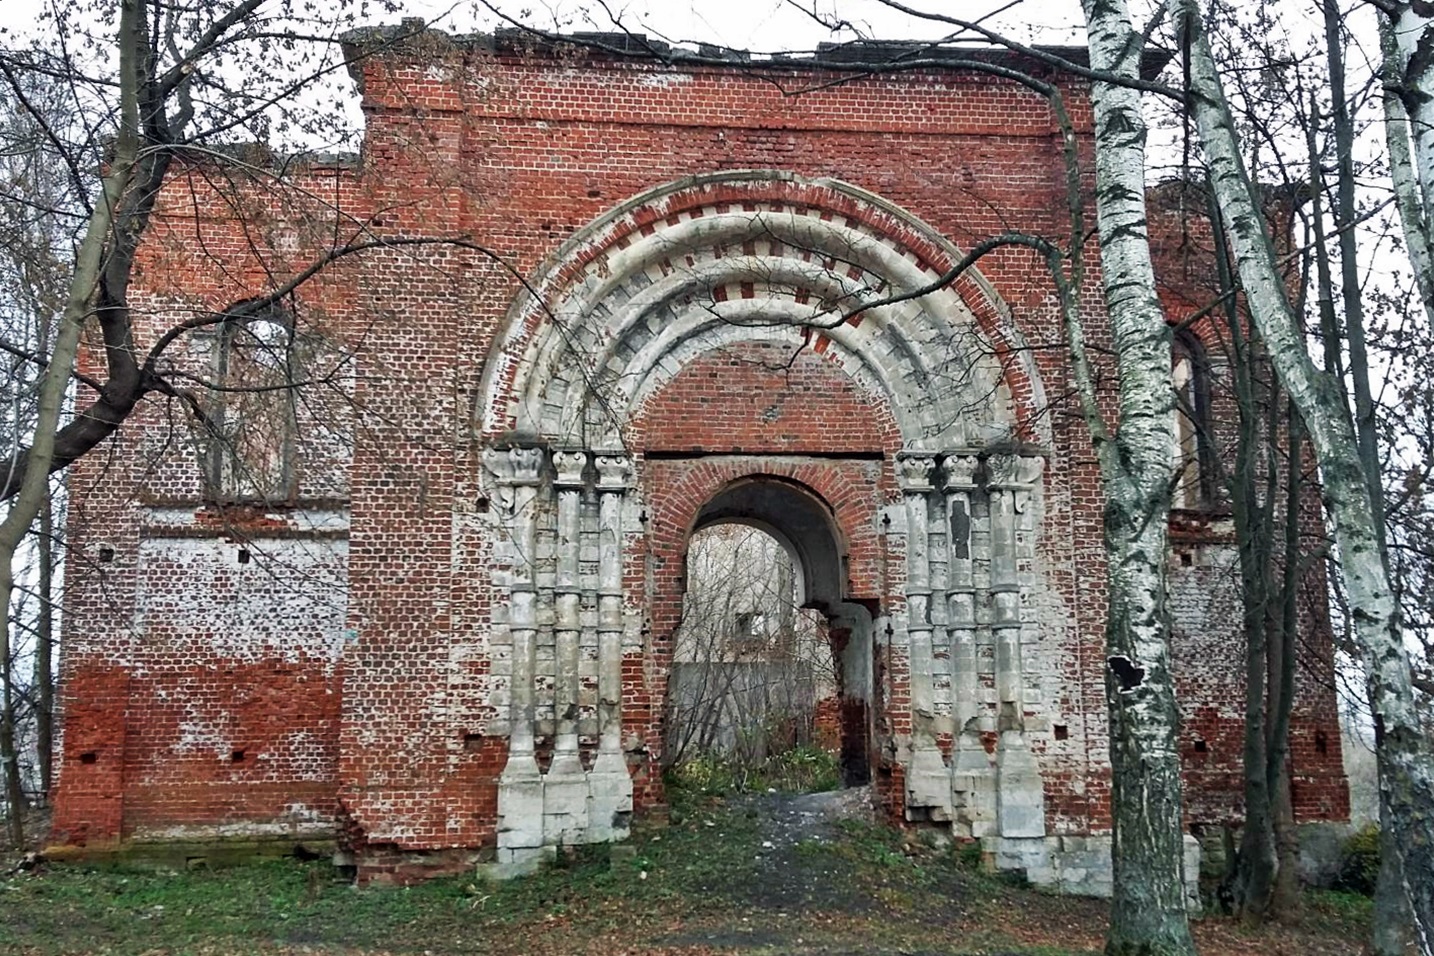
<point x="973" y="778"/>
<point x="1005" y="592"/>
<point x="520" y="786"/>
<point x="610" y="784"/>
<point x="1020" y="794"/>
<point x="928" y="781"/>
<point x="565" y="786"/>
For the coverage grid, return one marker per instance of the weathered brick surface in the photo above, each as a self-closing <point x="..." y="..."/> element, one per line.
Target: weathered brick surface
<point x="359" y="665"/>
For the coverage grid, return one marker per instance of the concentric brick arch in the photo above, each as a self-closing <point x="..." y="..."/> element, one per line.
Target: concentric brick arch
<point x="760" y="256"/>
<point x="636" y="370"/>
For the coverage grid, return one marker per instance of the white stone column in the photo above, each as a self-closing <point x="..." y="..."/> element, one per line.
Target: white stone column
<point x="939" y="578"/>
<point x="928" y="781"/>
<point x="610" y="784"/>
<point x="520" y="786"/>
<point x="1005" y="593"/>
<point x="973" y="778"/>
<point x="565" y="786"/>
<point x="1020" y="794"/>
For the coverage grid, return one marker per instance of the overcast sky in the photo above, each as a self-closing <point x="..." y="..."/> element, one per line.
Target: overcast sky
<point x="759" y="25"/>
<point x="775" y="24"/>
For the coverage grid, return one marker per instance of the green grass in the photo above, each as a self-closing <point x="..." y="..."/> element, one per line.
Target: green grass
<point x="1341" y="904"/>
<point x="711" y="869"/>
<point x="708" y="883"/>
<point x="125" y="911"/>
<point x="801" y="769"/>
<point x="74" y="909"/>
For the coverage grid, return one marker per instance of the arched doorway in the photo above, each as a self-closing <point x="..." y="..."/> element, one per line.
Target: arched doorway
<point x="769" y="652"/>
<point x="684" y="362"/>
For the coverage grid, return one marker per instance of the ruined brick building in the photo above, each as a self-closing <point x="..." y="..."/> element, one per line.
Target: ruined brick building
<point x="427" y="608"/>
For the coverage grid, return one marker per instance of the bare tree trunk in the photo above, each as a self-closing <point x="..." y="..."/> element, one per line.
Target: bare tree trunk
<point x="1407" y="29"/>
<point x="1264" y="876"/>
<point x="1345" y="218"/>
<point x="1409" y="79"/>
<point x="1407" y="771"/>
<point x="1148" y="913"/>
<point x="35" y="482"/>
<point x="1413" y="215"/>
<point x="1148" y="907"/>
<point x="9" y="756"/>
<point x="1255" y="868"/>
<point x="1392" y="917"/>
<point x="1255" y="863"/>
<point x="44" y="652"/>
<point x="1283" y="645"/>
<point x="1390" y="933"/>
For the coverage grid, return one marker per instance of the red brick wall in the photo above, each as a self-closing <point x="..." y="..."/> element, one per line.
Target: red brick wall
<point x="764" y="398"/>
<point x="385" y="724"/>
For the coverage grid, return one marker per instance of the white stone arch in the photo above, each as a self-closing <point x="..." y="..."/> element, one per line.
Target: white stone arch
<point x="759" y="255"/>
<point x="620" y="310"/>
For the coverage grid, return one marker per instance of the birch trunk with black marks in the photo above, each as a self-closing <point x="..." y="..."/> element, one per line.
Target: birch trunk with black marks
<point x="1137" y="463"/>
<point x="1409" y="82"/>
<point x="1406" y="767"/>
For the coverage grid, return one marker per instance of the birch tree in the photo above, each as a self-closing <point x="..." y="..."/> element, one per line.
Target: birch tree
<point x="1406" y="32"/>
<point x="1137" y="468"/>
<point x="1406" y="767"/>
<point x="1138" y="473"/>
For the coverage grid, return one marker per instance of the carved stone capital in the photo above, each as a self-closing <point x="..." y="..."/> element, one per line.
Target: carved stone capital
<point x="959" y="472"/>
<point x="1029" y="469"/>
<point x="1001" y="471"/>
<point x="570" y="464"/>
<point x="498" y="465"/>
<point x="914" y="470"/>
<point x="526" y="464"/>
<point x="1015" y="472"/>
<point x="614" y="471"/>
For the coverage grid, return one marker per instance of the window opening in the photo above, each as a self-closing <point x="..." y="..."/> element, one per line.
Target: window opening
<point x="1194" y="451"/>
<point x="257" y="364"/>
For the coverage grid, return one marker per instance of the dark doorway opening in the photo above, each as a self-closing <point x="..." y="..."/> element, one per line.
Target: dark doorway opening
<point x="770" y="653"/>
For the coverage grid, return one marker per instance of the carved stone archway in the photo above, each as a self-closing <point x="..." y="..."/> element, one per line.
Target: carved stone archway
<point x="944" y="497"/>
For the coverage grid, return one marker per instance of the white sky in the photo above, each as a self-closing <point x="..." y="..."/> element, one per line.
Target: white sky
<point x="760" y="25"/>
<point x="765" y="25"/>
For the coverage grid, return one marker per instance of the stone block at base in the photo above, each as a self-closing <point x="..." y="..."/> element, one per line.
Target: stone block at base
<point x="515" y="863"/>
<point x="1077" y="865"/>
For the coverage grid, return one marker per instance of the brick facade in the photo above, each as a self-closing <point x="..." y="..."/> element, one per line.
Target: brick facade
<point x="453" y="636"/>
